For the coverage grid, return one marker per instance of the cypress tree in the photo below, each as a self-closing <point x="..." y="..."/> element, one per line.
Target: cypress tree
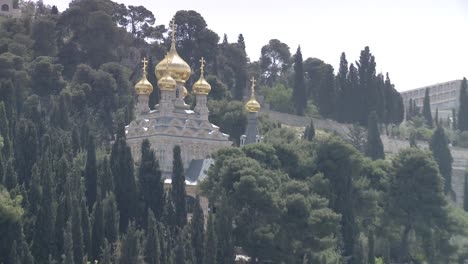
<point x="13" y="258"/>
<point x="129" y="252"/>
<point x="179" y="251"/>
<point x="463" y="107"/>
<point x="241" y="41"/>
<point x="299" y="91"/>
<point x="344" y="100"/>
<point x="371" y="245"/>
<point x="11" y="180"/>
<point x="355" y="98"/>
<point x="125" y="187"/>
<point x="374" y="149"/>
<point x="436" y="118"/>
<point x="90" y="173"/>
<point x="86" y="229"/>
<point x="26" y="150"/>
<point x="105" y="178"/>
<point x="441" y="152"/>
<point x="427" y="109"/>
<point x="465" y="193"/>
<point x="77" y="235"/>
<point x="5" y="132"/>
<point x="310" y="131"/>
<point x="106" y="253"/>
<point x="2" y="169"/>
<point x="97" y="235"/>
<point x="152" y="249"/>
<point x="44" y="236"/>
<point x="111" y="218"/>
<point x="178" y="189"/>
<point x="60" y="225"/>
<point x="150" y="182"/>
<point x="198" y="229"/>
<point x="210" y="242"/>
<point x="67" y="257"/>
<point x="223" y="227"/>
<point x="76" y="144"/>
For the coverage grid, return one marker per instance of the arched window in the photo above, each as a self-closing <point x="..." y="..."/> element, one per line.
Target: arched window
<point x="5" y="7"/>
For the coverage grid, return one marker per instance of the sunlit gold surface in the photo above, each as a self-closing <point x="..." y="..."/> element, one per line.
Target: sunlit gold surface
<point x="252" y="106"/>
<point x="144" y="86"/>
<point x="201" y="86"/>
<point x="166" y="82"/>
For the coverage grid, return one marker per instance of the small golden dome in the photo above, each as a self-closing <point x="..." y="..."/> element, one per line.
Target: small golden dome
<point x="184" y="92"/>
<point x="178" y="68"/>
<point x="144" y="86"/>
<point x="201" y="86"/>
<point x="252" y="106"/>
<point x="167" y="83"/>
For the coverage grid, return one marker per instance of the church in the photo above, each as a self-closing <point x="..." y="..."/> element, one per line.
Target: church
<point x="174" y="123"/>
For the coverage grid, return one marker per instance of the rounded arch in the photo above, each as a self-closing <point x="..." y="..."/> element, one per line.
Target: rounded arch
<point x="5" y="7"/>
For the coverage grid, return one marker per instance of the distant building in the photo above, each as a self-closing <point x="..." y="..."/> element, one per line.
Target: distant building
<point x="252" y="106"/>
<point x="9" y="8"/>
<point x="443" y="96"/>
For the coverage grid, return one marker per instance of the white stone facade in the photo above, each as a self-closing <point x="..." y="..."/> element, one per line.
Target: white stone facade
<point x="191" y="130"/>
<point x="7" y="8"/>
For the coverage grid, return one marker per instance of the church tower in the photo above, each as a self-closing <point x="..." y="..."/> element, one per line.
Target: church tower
<point x="251" y="134"/>
<point x="201" y="89"/>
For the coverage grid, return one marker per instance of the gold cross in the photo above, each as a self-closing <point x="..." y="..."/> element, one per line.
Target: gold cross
<point x="253" y="82"/>
<point x="145" y="64"/>
<point x="202" y="65"/>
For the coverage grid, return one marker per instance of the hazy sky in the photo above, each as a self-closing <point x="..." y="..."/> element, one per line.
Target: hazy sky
<point x="419" y="42"/>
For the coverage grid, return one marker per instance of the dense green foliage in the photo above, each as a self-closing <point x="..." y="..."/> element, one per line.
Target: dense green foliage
<point x="71" y="191"/>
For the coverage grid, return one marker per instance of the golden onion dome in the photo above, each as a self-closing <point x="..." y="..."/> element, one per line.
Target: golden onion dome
<point x="178" y="68"/>
<point x="144" y="87"/>
<point x="166" y="82"/>
<point x="252" y="106"/>
<point x="184" y="92"/>
<point x="201" y="86"/>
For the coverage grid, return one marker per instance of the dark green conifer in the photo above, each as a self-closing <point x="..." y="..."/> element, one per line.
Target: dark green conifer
<point x="436" y="118"/>
<point x="97" y="235"/>
<point x="90" y="173"/>
<point x="210" y="241"/>
<point x="179" y="251"/>
<point x="11" y="180"/>
<point x="106" y="253"/>
<point x="152" y="249"/>
<point x="427" y="109"/>
<point x="105" y="178"/>
<point x="125" y="187"/>
<point x="68" y="255"/>
<point x="150" y="182"/>
<point x="374" y="148"/>
<point x="441" y="152"/>
<point x="454" y="119"/>
<point x="77" y="235"/>
<point x="465" y="193"/>
<point x="299" y="91"/>
<point x="5" y="132"/>
<point x="178" y="189"/>
<point x="129" y="251"/>
<point x="26" y="150"/>
<point x="223" y="227"/>
<point x="371" y="248"/>
<point x="14" y="258"/>
<point x="198" y="230"/>
<point x="154" y="96"/>
<point x="309" y="133"/>
<point x="463" y="107"/>
<point x="111" y="218"/>
<point x="85" y="228"/>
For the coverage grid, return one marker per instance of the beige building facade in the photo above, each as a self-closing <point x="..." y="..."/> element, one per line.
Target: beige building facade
<point x="9" y="8"/>
<point x="443" y="96"/>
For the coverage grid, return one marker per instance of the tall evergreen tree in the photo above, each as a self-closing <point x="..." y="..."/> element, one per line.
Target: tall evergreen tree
<point x="77" y="235"/>
<point x="344" y="100"/>
<point x="10" y="178"/>
<point x="463" y="107"/>
<point x="309" y="132"/>
<point x="5" y="132"/>
<point x="85" y="228"/>
<point x="210" y="242"/>
<point x="67" y="257"/>
<point x="111" y="218"/>
<point x="367" y="90"/>
<point x="105" y="178"/>
<point x="441" y="152"/>
<point x="375" y="148"/>
<point x="130" y="250"/>
<point x="223" y="228"/>
<point x="326" y="95"/>
<point x="150" y="182"/>
<point x="198" y="229"/>
<point x="427" y="109"/>
<point x="454" y="119"/>
<point x="178" y="188"/>
<point x="465" y="193"/>
<point x="14" y="258"/>
<point x="154" y="96"/>
<point x="124" y="180"/>
<point x="241" y="41"/>
<point x="90" y="173"/>
<point x="436" y="118"/>
<point x="97" y="235"/>
<point x="299" y="91"/>
<point x="355" y="99"/>
<point x="152" y="250"/>
<point x="26" y="150"/>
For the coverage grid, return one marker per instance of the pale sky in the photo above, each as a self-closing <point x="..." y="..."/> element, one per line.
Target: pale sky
<point x="419" y="42"/>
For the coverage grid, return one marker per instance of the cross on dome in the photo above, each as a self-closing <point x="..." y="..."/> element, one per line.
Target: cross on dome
<point x="202" y="65"/>
<point x="145" y="64"/>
